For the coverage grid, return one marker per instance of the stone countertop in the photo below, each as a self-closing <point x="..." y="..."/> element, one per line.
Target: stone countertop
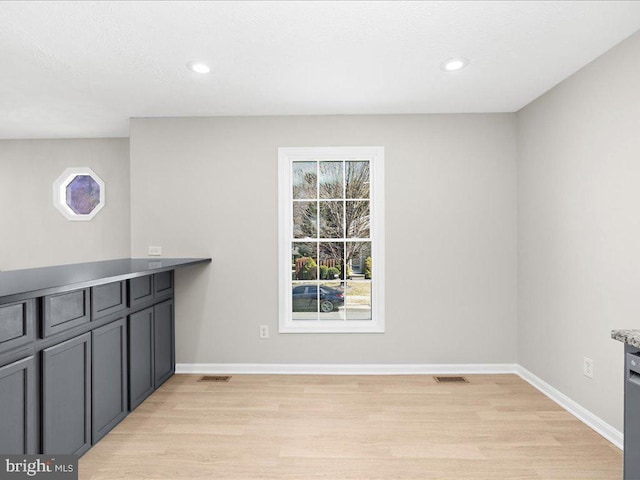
<point x="630" y="337"/>
<point x="16" y="285"/>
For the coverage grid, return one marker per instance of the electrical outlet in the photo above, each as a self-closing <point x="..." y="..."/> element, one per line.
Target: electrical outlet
<point x="155" y="251"/>
<point x="264" y="331"/>
<point x="588" y="367"/>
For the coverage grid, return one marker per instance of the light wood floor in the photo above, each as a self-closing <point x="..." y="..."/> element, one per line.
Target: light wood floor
<point x="350" y="427"/>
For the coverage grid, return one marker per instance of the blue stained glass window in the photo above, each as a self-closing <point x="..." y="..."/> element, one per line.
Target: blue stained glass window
<point x="83" y="194"/>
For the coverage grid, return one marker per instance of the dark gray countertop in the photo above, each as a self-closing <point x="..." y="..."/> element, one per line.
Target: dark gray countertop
<point x="16" y="285"/>
<point x="630" y="337"/>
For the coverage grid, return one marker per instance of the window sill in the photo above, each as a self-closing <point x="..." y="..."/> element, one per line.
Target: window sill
<point x="332" y="329"/>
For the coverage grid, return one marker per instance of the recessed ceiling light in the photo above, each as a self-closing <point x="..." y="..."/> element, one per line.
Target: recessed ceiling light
<point x="198" y="67"/>
<point x="454" y="64"/>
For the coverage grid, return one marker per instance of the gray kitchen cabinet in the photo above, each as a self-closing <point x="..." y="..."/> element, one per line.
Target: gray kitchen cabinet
<point x="163" y="284"/>
<point x="17" y="324"/>
<point x="109" y="377"/>
<point x="631" y="414"/>
<point x="108" y="299"/>
<point x="65" y="310"/>
<point x="140" y="290"/>
<point x="141" y="344"/>
<point x="18" y="407"/>
<point x="81" y="345"/>
<point x="66" y="396"/>
<point x="164" y="350"/>
<point x="151" y="350"/>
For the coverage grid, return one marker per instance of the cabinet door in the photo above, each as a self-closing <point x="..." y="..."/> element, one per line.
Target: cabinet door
<point x="66" y="397"/>
<point x="109" y="377"/>
<point x="18" y="409"/>
<point x="140" y="357"/>
<point x="163" y="342"/>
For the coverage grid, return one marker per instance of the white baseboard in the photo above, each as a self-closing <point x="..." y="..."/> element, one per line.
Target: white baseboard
<point x="596" y="423"/>
<point x="344" y="369"/>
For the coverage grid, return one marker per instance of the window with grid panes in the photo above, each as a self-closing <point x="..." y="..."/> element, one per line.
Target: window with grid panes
<point x="331" y="239"/>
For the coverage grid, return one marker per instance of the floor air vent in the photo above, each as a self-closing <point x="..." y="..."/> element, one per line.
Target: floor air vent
<point x="451" y="379"/>
<point x="214" y="378"/>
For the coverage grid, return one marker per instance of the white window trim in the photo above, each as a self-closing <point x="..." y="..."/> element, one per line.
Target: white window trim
<point x="60" y="193"/>
<point x="287" y="155"/>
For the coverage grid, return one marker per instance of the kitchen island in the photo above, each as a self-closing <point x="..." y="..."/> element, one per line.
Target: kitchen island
<point x="631" y="340"/>
<point x="81" y="346"/>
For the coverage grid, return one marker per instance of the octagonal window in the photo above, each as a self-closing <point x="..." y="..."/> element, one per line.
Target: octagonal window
<point x="83" y="194"/>
<point x="79" y="193"/>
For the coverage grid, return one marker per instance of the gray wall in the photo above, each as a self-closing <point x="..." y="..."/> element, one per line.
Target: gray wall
<point x="33" y="232"/>
<point x="208" y="187"/>
<point x="579" y="228"/>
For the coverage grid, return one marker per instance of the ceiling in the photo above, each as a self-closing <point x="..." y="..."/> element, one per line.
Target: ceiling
<point x="82" y="69"/>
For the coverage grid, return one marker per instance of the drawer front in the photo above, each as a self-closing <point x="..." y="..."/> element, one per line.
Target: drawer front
<point x="17" y="324"/>
<point x="65" y="310"/>
<point x="163" y="283"/>
<point x="108" y="299"/>
<point x="140" y="290"/>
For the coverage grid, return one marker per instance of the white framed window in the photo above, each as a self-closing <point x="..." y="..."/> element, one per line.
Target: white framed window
<point x="79" y="194"/>
<point x="331" y="239"/>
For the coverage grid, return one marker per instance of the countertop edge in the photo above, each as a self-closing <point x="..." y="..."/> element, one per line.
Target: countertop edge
<point x="628" y="337"/>
<point x="65" y="287"/>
